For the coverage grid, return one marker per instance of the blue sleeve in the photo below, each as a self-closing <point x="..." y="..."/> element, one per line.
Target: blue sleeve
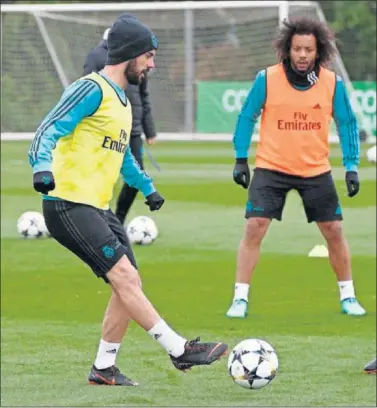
<point x="79" y="100"/>
<point x="248" y="116"/>
<point x="347" y="126"/>
<point x="134" y="176"/>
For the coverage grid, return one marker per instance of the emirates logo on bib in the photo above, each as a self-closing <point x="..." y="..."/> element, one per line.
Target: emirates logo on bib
<point x="300" y="121"/>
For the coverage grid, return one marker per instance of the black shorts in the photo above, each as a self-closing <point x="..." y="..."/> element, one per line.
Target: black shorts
<point x="95" y="236"/>
<point x="268" y="190"/>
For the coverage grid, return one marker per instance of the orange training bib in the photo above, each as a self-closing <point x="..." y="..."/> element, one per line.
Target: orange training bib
<point x="294" y="133"/>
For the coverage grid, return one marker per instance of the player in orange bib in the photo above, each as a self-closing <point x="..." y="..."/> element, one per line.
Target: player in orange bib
<point x="298" y="96"/>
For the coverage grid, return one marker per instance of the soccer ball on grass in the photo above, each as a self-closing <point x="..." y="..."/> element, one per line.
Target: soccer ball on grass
<point x="253" y="364"/>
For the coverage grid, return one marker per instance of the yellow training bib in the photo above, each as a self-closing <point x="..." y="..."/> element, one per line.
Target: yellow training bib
<point x="86" y="163"/>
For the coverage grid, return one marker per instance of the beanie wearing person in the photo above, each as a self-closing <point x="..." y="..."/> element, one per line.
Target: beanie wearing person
<point x="128" y="38"/>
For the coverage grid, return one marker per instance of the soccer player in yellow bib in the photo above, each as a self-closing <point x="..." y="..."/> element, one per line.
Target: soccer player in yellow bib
<point x="77" y="154"/>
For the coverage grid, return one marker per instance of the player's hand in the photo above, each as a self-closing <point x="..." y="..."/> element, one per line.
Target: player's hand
<point x="154" y="201"/>
<point x="241" y="173"/>
<point x="43" y="182"/>
<point x="352" y="182"/>
<point x="151" y="141"/>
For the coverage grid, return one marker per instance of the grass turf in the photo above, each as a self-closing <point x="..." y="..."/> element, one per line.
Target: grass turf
<point x="52" y="305"/>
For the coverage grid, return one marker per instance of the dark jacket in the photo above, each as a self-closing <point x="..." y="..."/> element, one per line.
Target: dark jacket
<point x="138" y="95"/>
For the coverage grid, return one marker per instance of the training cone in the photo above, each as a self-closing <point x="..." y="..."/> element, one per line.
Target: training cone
<point x="319" y="251"/>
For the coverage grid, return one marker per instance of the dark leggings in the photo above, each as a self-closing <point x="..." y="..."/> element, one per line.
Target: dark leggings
<point x="128" y="194"/>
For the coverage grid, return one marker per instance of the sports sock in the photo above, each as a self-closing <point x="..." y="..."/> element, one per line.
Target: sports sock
<point x="106" y="354"/>
<point x="346" y="289"/>
<point x="241" y="291"/>
<point x="172" y="342"/>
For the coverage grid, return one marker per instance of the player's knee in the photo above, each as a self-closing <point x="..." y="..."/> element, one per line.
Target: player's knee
<point x="255" y="230"/>
<point x="124" y="276"/>
<point x="332" y="231"/>
<point x="131" y="278"/>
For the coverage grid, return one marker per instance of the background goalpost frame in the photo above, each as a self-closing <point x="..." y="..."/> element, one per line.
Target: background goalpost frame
<point x="168" y="5"/>
<point x="188" y="8"/>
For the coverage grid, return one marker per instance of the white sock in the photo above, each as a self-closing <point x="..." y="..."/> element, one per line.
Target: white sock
<point x="106" y="354"/>
<point x="241" y="291"/>
<point x="346" y="289"/>
<point x="173" y="343"/>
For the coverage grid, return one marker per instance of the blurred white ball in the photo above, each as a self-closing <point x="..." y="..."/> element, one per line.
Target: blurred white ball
<point x="31" y="224"/>
<point x="142" y="230"/>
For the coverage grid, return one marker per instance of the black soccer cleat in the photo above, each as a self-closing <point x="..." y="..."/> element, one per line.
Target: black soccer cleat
<point x="370" y="368"/>
<point x="199" y="354"/>
<point x="109" y="376"/>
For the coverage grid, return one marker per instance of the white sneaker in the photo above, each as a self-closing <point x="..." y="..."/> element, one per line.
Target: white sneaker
<point x="352" y="307"/>
<point x="238" y="308"/>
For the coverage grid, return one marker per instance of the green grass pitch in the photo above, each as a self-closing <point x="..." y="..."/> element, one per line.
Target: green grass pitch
<point x="52" y="305"/>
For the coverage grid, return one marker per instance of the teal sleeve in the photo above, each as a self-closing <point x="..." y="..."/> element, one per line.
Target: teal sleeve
<point x="79" y="100"/>
<point x="134" y="176"/>
<point x="347" y="127"/>
<point x="248" y="116"/>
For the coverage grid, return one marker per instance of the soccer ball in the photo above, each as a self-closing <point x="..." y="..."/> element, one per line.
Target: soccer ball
<point x="31" y="224"/>
<point x="253" y="364"/>
<point x="371" y="154"/>
<point x="142" y="230"/>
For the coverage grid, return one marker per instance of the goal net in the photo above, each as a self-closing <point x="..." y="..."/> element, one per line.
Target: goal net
<point x="208" y="56"/>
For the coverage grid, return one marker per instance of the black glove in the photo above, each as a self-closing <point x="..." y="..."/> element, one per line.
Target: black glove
<point x="154" y="201"/>
<point x="353" y="184"/>
<point x="241" y="173"/>
<point x="43" y="182"/>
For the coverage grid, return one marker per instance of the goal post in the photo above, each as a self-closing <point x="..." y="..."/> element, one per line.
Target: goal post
<point x="205" y="47"/>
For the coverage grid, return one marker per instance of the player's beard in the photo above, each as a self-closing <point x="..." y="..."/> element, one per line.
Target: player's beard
<point x="132" y="75"/>
<point x="309" y="68"/>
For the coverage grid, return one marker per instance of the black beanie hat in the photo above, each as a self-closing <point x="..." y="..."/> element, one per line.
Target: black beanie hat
<point x="127" y="39"/>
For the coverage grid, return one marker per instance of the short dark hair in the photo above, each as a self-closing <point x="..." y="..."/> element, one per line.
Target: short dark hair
<point x="325" y="37"/>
